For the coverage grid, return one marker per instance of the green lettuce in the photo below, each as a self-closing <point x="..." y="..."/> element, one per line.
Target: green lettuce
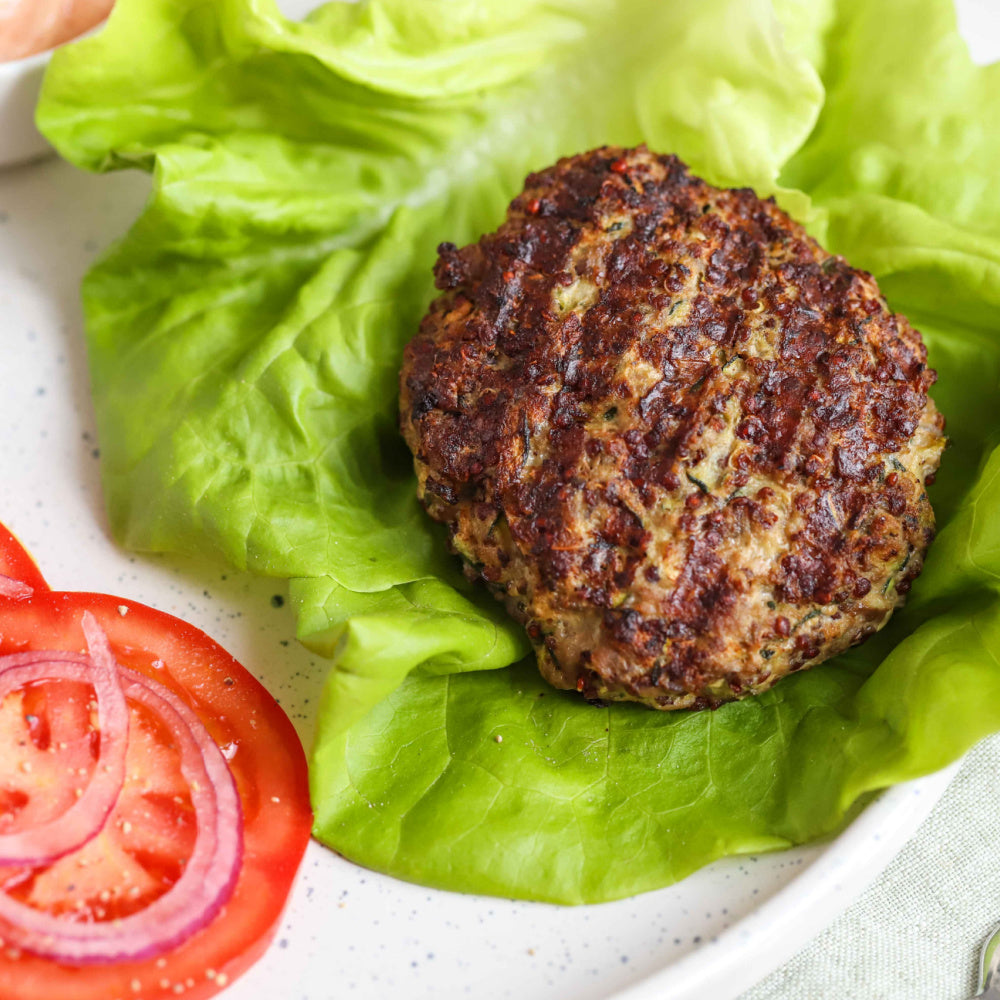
<point x="245" y="336"/>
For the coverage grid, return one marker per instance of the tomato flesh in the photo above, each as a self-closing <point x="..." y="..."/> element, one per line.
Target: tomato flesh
<point x="16" y="564"/>
<point x="142" y="848"/>
<point x="46" y="752"/>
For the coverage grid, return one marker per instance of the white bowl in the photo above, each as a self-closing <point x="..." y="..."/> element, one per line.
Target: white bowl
<point x="20" y="82"/>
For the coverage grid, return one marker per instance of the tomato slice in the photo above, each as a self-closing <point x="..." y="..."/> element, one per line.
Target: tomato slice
<point x="142" y="848"/>
<point x="16" y="564"/>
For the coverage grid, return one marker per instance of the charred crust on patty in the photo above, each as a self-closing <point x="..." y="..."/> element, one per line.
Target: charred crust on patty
<point x="684" y="444"/>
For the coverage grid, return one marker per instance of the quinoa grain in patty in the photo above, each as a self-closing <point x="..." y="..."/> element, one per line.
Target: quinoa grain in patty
<point x="685" y="445"/>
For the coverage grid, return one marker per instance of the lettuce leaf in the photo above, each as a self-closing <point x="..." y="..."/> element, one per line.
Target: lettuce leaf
<point x="244" y="339"/>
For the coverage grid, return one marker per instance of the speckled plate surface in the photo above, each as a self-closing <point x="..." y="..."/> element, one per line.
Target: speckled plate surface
<point x="347" y="931"/>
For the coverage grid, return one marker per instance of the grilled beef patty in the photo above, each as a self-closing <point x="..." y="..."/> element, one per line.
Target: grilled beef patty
<point x="685" y="445"/>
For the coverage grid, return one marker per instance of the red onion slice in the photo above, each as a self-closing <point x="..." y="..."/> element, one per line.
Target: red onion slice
<point x="195" y="898"/>
<point x="43" y="843"/>
<point x="9" y="587"/>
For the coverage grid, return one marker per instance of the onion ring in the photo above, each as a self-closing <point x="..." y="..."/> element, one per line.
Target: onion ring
<point x="209" y="875"/>
<point x="84" y="819"/>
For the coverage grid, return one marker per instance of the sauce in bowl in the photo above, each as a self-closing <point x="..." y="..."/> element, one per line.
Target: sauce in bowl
<point x="30" y="26"/>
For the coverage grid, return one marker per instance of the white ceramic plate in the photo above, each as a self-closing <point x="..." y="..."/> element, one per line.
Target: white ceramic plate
<point x="347" y="931"/>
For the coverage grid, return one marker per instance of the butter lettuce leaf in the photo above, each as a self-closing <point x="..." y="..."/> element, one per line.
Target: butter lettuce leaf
<point x="245" y="337"/>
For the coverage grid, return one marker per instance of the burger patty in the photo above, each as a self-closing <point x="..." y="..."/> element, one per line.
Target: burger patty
<point x="685" y="445"/>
